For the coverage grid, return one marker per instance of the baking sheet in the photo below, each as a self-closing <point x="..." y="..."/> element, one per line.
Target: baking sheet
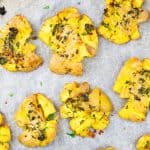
<point x="100" y="71"/>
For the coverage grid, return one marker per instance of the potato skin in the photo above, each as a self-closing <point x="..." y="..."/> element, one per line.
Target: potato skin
<point x="16" y="53"/>
<point x="108" y="148"/>
<point x="72" y="37"/>
<point x="121" y="20"/>
<point x="133" y="84"/>
<point x="5" y="134"/>
<point x="86" y="108"/>
<point x="37" y="116"/>
<point x="143" y="142"/>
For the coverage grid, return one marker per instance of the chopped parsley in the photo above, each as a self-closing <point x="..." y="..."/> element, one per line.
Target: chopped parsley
<point x="41" y="83"/>
<point x="17" y="44"/>
<point x="8" y="42"/>
<point x="144" y="90"/>
<point x="89" y="28"/>
<point x="106" y="25"/>
<point x="85" y="97"/>
<point x="41" y="137"/>
<point x="57" y="28"/>
<point x="147" y="145"/>
<point x="3" y="60"/>
<point x="71" y="134"/>
<point x="46" y="7"/>
<point x="50" y="117"/>
<point x="11" y="94"/>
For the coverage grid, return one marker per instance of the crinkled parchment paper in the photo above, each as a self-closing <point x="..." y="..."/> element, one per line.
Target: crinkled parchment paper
<point x="100" y="71"/>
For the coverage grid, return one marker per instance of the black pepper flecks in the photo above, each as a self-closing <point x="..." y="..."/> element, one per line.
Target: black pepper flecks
<point x="2" y="10"/>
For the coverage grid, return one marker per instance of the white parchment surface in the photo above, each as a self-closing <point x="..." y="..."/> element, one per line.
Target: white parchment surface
<point x="100" y="71"/>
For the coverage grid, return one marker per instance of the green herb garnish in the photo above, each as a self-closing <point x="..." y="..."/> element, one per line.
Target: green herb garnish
<point x="71" y="134"/>
<point x="147" y="145"/>
<point x="42" y="134"/>
<point x="41" y="83"/>
<point x="57" y="28"/>
<point x="46" y="7"/>
<point x="89" y="28"/>
<point x="50" y="117"/>
<point x="106" y="25"/>
<point x="11" y="94"/>
<point x="41" y="137"/>
<point x="3" y="60"/>
<point x="85" y="97"/>
<point x="8" y="42"/>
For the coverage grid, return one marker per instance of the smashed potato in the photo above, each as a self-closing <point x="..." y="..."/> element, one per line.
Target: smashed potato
<point x="108" y="148"/>
<point x="37" y="116"/>
<point x="5" y="135"/>
<point x="16" y="53"/>
<point x="121" y="20"/>
<point x="133" y="83"/>
<point x="72" y="37"/>
<point x="143" y="142"/>
<point x="86" y="108"/>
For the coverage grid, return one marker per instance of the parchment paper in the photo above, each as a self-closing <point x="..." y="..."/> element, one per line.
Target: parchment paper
<point x="100" y="71"/>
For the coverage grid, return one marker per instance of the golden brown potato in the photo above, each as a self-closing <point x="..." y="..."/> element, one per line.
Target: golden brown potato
<point x="86" y="108"/>
<point x="16" y="53"/>
<point x="143" y="142"/>
<point x="72" y="37"/>
<point x="121" y="20"/>
<point x="133" y="83"/>
<point x="108" y="148"/>
<point x="37" y="116"/>
<point x="5" y="135"/>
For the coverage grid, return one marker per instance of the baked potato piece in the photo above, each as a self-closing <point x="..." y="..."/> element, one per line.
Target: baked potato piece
<point x="5" y="135"/>
<point x="86" y="108"/>
<point x="133" y="83"/>
<point x="108" y="148"/>
<point x="37" y="117"/>
<point x="143" y="142"/>
<point x="121" y="20"/>
<point x="72" y="37"/>
<point x="16" y="52"/>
